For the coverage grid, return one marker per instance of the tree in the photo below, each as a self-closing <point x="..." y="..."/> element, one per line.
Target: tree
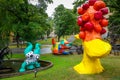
<point x="49" y="28"/>
<point x="64" y="20"/>
<point x="25" y="20"/>
<point x="114" y="19"/>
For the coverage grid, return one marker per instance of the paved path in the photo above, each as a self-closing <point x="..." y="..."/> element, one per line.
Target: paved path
<point x="46" y="50"/>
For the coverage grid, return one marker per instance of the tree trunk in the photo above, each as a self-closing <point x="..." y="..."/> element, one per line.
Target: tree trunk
<point x="59" y="38"/>
<point x="17" y="39"/>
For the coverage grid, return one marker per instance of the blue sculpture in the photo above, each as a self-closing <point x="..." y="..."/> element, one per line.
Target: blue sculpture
<point x="32" y="57"/>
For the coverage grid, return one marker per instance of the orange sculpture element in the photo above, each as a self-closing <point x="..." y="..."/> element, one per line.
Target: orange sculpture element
<point x="92" y="23"/>
<point x="61" y="47"/>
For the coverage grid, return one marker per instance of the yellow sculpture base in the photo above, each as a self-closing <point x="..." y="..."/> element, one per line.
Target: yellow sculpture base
<point x="90" y="67"/>
<point x="93" y="50"/>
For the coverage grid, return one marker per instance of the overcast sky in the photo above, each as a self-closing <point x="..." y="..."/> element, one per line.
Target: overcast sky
<point x="66" y="3"/>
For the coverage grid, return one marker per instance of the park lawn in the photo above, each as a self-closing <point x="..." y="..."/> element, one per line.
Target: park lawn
<point x="48" y="41"/>
<point x="42" y="42"/>
<point x="63" y="69"/>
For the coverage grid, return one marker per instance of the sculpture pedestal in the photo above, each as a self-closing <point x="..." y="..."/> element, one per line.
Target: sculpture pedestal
<point x="93" y="50"/>
<point x="89" y="66"/>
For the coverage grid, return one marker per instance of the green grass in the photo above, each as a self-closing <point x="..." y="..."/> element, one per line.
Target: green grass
<point x="47" y="41"/>
<point x="63" y="69"/>
<point x="42" y="42"/>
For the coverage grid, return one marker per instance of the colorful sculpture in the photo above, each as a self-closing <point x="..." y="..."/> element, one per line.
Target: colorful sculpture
<point x="61" y="47"/>
<point x="92" y="23"/>
<point x="32" y="57"/>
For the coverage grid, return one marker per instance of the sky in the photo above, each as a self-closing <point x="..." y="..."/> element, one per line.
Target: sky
<point x="67" y="4"/>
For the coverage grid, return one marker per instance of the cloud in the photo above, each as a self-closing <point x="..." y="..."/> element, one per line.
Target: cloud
<point x="66" y="3"/>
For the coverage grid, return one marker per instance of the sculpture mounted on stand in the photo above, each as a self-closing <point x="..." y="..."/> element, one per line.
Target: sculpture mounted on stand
<point x="61" y="47"/>
<point x="32" y="57"/>
<point x="92" y="23"/>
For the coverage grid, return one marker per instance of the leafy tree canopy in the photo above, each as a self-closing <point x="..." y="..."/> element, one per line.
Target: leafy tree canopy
<point x="25" y="20"/>
<point x="114" y="19"/>
<point x="65" y="21"/>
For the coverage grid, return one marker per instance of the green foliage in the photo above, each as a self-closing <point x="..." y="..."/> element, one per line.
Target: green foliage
<point x="45" y="42"/>
<point x="23" y="19"/>
<point x="65" y="21"/>
<point x="49" y="24"/>
<point x="114" y="6"/>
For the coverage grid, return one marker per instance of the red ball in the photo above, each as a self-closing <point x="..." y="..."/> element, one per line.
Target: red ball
<point x="85" y="6"/>
<point x="103" y="31"/>
<point x="104" y="10"/>
<point x="79" y="21"/>
<point x="82" y="34"/>
<point x="104" y="22"/>
<point x="89" y="26"/>
<point x="80" y="11"/>
<point x="99" y="5"/>
<point x="91" y="2"/>
<point x="98" y="15"/>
